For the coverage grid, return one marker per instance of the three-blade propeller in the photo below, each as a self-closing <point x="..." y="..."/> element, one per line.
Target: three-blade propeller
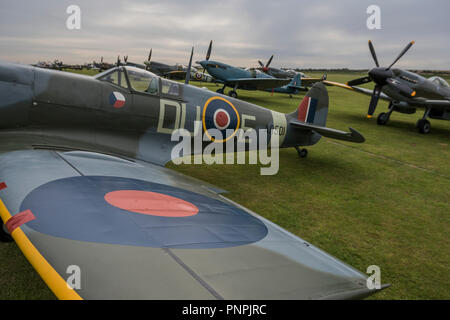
<point x="383" y="76"/>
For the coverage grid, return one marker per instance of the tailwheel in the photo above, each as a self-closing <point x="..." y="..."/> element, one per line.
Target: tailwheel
<point x="302" y="152"/>
<point x="232" y="94"/>
<point x="4" y="234"/>
<point x="383" y="118"/>
<point x="424" y="126"/>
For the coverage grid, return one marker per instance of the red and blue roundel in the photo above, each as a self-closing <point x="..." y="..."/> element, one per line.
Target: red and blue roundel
<point x="220" y="114"/>
<point x="134" y="212"/>
<point x="116" y="99"/>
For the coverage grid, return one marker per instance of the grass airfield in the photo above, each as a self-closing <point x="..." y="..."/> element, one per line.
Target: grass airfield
<point x="385" y="202"/>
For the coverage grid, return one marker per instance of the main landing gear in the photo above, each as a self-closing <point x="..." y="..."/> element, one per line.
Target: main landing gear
<point x="384" y="117"/>
<point x="423" y="125"/>
<point x="221" y="90"/>
<point x="4" y="234"/>
<point x="232" y="93"/>
<point x="302" y="152"/>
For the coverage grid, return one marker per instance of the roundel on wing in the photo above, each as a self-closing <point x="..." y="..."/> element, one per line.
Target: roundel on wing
<point x="116" y="99"/>
<point x="220" y="116"/>
<point x="126" y="211"/>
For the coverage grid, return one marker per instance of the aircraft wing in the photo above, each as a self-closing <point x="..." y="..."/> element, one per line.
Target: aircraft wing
<point x="356" y="89"/>
<point x="258" y="83"/>
<point x="309" y="81"/>
<point x="178" y="75"/>
<point x="444" y="104"/>
<point x="135" y="230"/>
<point x="353" y="135"/>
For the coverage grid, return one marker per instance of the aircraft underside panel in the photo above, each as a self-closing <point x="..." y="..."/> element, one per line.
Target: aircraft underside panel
<point x="141" y="231"/>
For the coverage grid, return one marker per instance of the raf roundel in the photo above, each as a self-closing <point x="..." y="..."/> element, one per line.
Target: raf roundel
<point x="220" y="116"/>
<point x="116" y="99"/>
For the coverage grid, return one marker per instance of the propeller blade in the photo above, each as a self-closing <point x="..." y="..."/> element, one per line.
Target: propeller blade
<point x="374" y="101"/>
<point x="208" y="54"/>
<point x="188" y="72"/>
<point x="150" y="55"/>
<point x="260" y="63"/>
<point x="268" y="62"/>
<point x="147" y="63"/>
<point x="374" y="55"/>
<point x="403" y="88"/>
<point x="409" y="45"/>
<point x="118" y="61"/>
<point x="125" y="58"/>
<point x="359" y="81"/>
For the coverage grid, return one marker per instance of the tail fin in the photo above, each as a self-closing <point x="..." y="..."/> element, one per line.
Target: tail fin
<point x="296" y="82"/>
<point x="312" y="113"/>
<point x="314" y="106"/>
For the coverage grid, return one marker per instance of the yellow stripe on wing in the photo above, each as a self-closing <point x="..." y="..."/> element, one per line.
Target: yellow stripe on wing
<point x="52" y="278"/>
<point x="337" y="84"/>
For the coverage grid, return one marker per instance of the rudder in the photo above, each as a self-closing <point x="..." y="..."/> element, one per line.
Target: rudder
<point x="314" y="106"/>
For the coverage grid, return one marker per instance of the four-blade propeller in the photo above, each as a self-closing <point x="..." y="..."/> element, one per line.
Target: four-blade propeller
<point x="382" y="77"/>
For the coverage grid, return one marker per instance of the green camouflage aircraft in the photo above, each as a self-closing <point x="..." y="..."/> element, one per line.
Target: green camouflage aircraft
<point x="82" y="185"/>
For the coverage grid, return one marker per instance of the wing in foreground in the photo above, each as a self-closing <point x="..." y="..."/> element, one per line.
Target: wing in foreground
<point x="141" y="231"/>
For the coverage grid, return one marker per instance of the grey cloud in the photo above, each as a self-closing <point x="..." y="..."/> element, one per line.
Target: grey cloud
<point x="322" y="33"/>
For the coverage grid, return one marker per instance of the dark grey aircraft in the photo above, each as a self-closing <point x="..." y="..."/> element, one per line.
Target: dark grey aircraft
<point x="82" y="183"/>
<point x="406" y="92"/>
<point x="286" y="73"/>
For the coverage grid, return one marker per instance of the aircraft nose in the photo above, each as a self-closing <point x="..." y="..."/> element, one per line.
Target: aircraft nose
<point x="379" y="75"/>
<point x="202" y="63"/>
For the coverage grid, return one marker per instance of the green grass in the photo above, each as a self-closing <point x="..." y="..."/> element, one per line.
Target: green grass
<point x="384" y="202"/>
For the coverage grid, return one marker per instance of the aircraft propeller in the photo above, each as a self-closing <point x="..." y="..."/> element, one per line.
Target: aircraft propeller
<point x="188" y="72"/>
<point x="265" y="68"/>
<point x="208" y="55"/>
<point x="147" y="64"/>
<point x="382" y="76"/>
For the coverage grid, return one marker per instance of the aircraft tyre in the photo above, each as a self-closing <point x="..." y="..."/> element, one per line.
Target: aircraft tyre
<point x="382" y="119"/>
<point x="233" y="94"/>
<point x="4" y="234"/>
<point x="302" y="153"/>
<point x="424" y="126"/>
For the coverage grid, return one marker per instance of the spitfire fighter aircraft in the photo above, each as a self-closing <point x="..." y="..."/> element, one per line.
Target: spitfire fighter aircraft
<point x="247" y="79"/>
<point x="287" y="73"/>
<point x="406" y="92"/>
<point x="82" y="183"/>
<point x="176" y="72"/>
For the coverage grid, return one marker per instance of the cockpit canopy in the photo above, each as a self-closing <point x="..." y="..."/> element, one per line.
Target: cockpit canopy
<point x="439" y="81"/>
<point x="140" y="80"/>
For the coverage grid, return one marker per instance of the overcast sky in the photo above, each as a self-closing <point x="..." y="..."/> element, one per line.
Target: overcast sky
<point x="313" y="33"/>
